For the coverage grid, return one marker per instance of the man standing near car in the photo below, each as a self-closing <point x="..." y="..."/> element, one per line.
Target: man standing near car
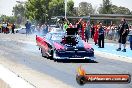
<point x="28" y="26"/>
<point x="13" y="27"/>
<point x="123" y="33"/>
<point x="92" y="31"/>
<point x="87" y="31"/>
<point x="101" y="36"/>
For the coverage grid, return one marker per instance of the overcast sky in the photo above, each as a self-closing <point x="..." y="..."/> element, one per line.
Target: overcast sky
<point x="6" y="6"/>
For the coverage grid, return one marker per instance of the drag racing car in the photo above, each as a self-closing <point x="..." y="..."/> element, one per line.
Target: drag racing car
<point x="58" y="44"/>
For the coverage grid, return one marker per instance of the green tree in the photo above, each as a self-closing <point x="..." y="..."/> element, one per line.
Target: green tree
<point x="10" y="19"/>
<point x="108" y="8"/>
<point x="41" y="10"/>
<point x="19" y="9"/>
<point x="120" y="10"/>
<point x="70" y="9"/>
<point x="124" y="10"/>
<point x="56" y="8"/>
<point x="105" y="7"/>
<point x="19" y="12"/>
<point x="36" y="9"/>
<point x="115" y="9"/>
<point x="85" y="9"/>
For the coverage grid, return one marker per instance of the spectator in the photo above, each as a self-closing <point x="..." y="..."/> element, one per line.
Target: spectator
<point x="114" y="32"/>
<point x="79" y="27"/>
<point x="87" y="31"/>
<point x="4" y="27"/>
<point x="110" y="32"/>
<point x="83" y="30"/>
<point x="130" y="37"/>
<point x="106" y="31"/>
<point x="101" y="36"/>
<point x="96" y="34"/>
<point x="7" y="28"/>
<point x="92" y="31"/>
<point x="46" y="28"/>
<point x="13" y="27"/>
<point x="70" y="25"/>
<point x="38" y="28"/>
<point x="65" y="26"/>
<point x="116" y="35"/>
<point x="43" y="28"/>
<point x="28" y="26"/>
<point x="117" y="29"/>
<point x="33" y="28"/>
<point x="123" y="32"/>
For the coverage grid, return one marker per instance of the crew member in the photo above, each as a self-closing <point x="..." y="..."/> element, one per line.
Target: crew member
<point x="101" y="36"/>
<point x="66" y="26"/>
<point x="92" y="31"/>
<point x="28" y="26"/>
<point x="83" y="30"/>
<point x="87" y="31"/>
<point x="13" y="27"/>
<point x="70" y="25"/>
<point x="130" y="39"/>
<point x="123" y="33"/>
<point x="79" y="27"/>
<point x="96" y="34"/>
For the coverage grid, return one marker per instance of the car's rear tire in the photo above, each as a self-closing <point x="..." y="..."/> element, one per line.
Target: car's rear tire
<point x="51" y="53"/>
<point x="42" y="52"/>
<point x="46" y="55"/>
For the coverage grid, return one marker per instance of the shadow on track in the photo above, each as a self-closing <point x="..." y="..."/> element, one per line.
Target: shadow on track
<point x="75" y="61"/>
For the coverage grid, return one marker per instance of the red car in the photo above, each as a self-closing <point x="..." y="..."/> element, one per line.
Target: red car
<point x="64" y="45"/>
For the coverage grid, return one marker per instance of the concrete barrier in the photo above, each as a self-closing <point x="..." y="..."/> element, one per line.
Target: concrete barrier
<point x="8" y="79"/>
<point x="4" y="84"/>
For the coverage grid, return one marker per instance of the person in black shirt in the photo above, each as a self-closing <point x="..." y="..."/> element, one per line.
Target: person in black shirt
<point x="101" y="36"/>
<point x="92" y="31"/>
<point x="87" y="31"/>
<point x="13" y="27"/>
<point x="123" y="33"/>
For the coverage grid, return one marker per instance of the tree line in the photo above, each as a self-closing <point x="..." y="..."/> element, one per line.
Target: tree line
<point x="42" y="10"/>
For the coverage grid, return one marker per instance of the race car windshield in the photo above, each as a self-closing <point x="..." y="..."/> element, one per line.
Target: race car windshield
<point x="74" y="36"/>
<point x="56" y="37"/>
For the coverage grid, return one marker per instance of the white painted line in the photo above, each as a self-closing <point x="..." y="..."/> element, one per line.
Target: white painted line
<point x="113" y="56"/>
<point x="12" y="79"/>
